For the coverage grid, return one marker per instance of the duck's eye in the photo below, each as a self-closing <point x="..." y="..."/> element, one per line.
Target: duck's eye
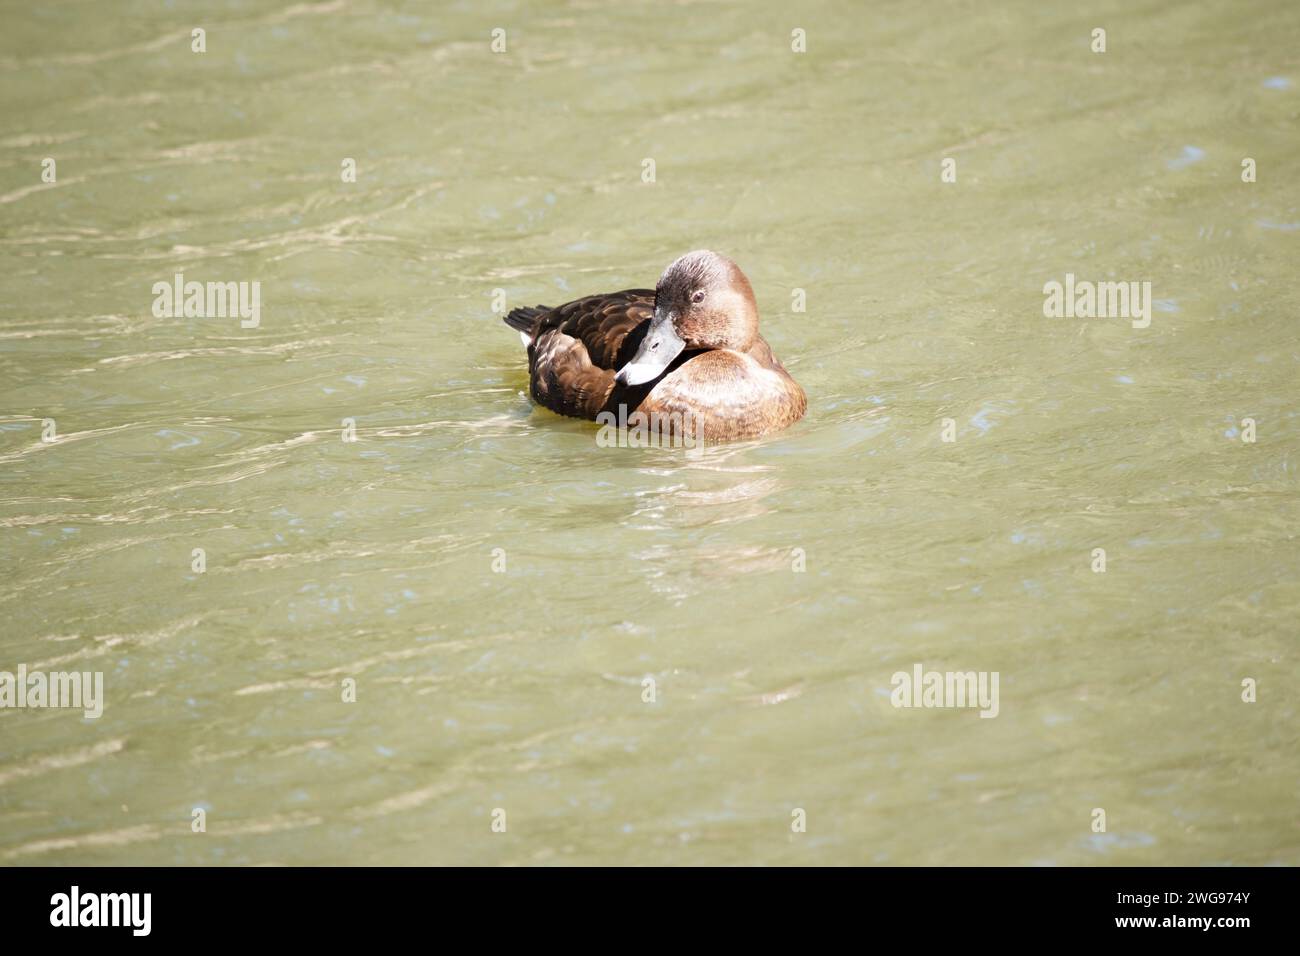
<point x="697" y="296"/>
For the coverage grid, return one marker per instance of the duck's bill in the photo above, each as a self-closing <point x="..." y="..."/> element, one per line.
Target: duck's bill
<point x="660" y="346"/>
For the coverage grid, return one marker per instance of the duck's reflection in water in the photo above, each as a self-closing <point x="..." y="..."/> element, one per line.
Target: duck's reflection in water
<point x="720" y="488"/>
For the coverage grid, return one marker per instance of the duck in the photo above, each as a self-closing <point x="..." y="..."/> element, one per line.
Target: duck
<point x="686" y="350"/>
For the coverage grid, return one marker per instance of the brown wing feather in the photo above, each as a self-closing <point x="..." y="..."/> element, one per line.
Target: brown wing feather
<point x="601" y="322"/>
<point x="577" y="347"/>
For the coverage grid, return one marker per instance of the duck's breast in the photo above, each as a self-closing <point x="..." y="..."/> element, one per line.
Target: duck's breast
<point x="730" y="394"/>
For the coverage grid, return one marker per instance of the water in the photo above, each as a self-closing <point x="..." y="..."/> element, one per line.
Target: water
<point x="522" y="690"/>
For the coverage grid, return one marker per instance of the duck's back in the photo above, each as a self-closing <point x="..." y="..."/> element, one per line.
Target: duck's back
<point x="576" y="349"/>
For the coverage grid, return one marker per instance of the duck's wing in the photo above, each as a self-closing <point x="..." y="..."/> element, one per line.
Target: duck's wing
<point x="601" y="322"/>
<point x="577" y="347"/>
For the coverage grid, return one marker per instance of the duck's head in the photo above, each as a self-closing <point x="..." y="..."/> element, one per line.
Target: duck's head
<point x="702" y="301"/>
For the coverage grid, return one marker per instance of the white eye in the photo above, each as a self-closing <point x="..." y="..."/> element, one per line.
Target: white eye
<point x="697" y="296"/>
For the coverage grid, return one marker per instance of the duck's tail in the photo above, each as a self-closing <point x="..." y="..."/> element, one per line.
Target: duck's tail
<point x="523" y="320"/>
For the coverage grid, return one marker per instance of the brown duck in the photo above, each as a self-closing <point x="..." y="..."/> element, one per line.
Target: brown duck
<point x="689" y="347"/>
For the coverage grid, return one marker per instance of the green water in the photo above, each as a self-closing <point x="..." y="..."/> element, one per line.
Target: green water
<point x="522" y="689"/>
